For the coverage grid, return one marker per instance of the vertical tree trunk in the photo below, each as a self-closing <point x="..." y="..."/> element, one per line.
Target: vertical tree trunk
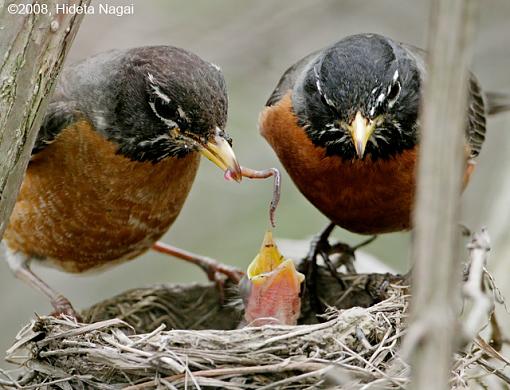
<point x="33" y="47"/>
<point x="433" y="333"/>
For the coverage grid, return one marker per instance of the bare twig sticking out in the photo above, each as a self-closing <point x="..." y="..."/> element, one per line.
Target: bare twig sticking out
<point x="479" y="248"/>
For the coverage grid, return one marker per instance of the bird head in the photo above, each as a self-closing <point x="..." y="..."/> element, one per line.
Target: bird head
<point x="360" y="97"/>
<point x="169" y="103"/>
<point x="271" y="288"/>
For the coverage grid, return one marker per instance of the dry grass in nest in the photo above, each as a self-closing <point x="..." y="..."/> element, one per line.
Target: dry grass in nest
<point x="179" y="337"/>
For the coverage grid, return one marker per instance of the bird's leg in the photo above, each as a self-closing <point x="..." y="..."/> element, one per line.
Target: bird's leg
<point x="264" y="174"/>
<point x="19" y="265"/>
<point x="333" y="269"/>
<point x="211" y="267"/>
<point x="318" y="246"/>
<point x="347" y="254"/>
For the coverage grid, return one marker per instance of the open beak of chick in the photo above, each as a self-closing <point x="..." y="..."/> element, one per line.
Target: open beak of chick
<point x="271" y="288"/>
<point x="218" y="150"/>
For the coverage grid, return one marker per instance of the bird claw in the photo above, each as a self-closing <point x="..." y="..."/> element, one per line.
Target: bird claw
<point x="345" y="256"/>
<point x="212" y="268"/>
<point x="219" y="282"/>
<point x="64" y="309"/>
<point x="216" y="272"/>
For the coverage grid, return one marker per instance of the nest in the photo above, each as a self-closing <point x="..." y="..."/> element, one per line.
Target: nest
<point x="179" y="337"/>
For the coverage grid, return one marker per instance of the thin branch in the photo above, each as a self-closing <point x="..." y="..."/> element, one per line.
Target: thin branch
<point x="433" y="334"/>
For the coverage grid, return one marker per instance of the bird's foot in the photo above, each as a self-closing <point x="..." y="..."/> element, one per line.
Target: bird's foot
<point x="216" y="273"/>
<point x="318" y="247"/>
<point x="334" y="256"/>
<point x="213" y="268"/>
<point x="216" y="270"/>
<point x="19" y="264"/>
<point x="345" y="255"/>
<point x="63" y="308"/>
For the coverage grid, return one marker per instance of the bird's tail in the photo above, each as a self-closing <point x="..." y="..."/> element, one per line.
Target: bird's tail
<point x="497" y="102"/>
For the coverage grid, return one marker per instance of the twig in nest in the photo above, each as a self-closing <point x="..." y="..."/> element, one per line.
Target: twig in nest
<point x="490" y="351"/>
<point x="240" y="371"/>
<point x="496" y="340"/>
<point x="493" y="370"/>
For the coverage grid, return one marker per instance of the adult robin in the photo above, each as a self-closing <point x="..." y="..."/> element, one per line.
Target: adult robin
<point x="114" y="161"/>
<point x="344" y="123"/>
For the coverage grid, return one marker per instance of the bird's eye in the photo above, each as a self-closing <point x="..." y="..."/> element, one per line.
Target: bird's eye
<point x="393" y="93"/>
<point x="165" y="110"/>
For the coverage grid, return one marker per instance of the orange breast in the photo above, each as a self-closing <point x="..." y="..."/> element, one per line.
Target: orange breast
<point x="363" y="196"/>
<point x="82" y="206"/>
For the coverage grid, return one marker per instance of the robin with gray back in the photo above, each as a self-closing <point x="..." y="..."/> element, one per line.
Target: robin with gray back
<point x="114" y="161"/>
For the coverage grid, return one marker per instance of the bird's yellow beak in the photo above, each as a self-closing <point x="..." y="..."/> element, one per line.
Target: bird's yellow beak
<point x="361" y="129"/>
<point x="269" y="263"/>
<point x="271" y="289"/>
<point x="219" y="151"/>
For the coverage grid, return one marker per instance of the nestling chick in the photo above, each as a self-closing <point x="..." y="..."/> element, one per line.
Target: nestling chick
<point x="271" y="289"/>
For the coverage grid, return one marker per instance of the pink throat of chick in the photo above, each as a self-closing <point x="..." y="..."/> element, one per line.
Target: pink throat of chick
<point x="271" y="289"/>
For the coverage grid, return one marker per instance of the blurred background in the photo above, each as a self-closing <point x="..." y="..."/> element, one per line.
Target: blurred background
<point x="254" y="42"/>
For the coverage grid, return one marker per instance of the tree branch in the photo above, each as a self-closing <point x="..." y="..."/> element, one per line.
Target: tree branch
<point x="33" y="48"/>
<point x="434" y="333"/>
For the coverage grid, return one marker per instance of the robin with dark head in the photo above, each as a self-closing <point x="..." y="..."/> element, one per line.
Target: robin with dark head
<point x="344" y="123"/>
<point x="114" y="161"/>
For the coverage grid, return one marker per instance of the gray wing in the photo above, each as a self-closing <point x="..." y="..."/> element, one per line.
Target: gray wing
<point x="62" y="110"/>
<point x="288" y="79"/>
<point x="76" y="96"/>
<point x="476" y="118"/>
<point x="59" y="115"/>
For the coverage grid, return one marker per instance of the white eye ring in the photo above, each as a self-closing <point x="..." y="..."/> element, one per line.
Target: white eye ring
<point x="170" y="123"/>
<point x="393" y="93"/>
